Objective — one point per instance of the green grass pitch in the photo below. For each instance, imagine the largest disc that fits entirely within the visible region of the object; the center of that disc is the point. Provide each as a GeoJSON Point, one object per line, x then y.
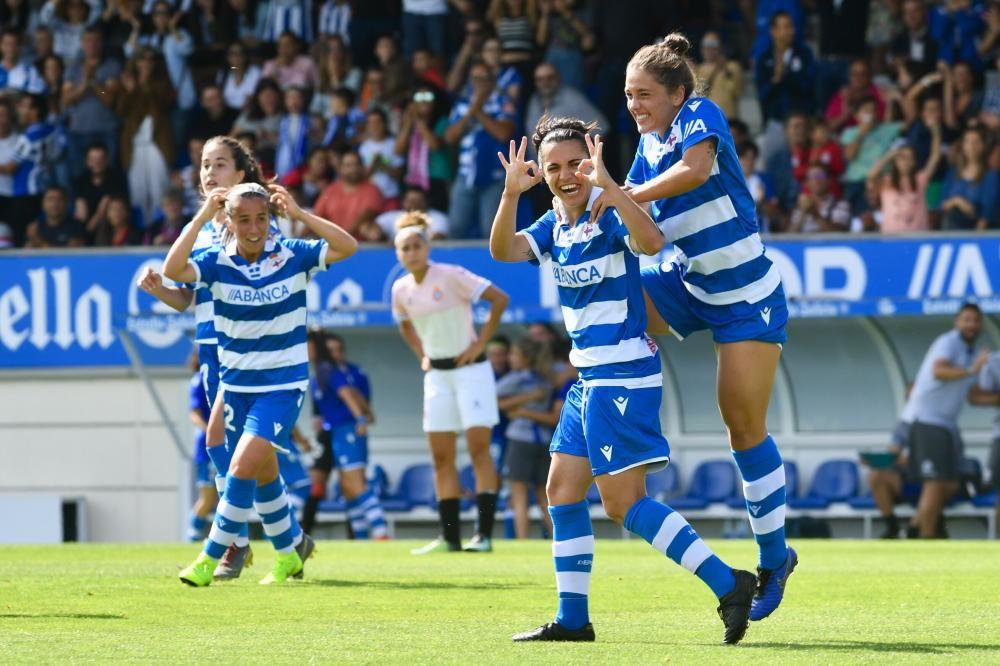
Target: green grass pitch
{"type": "Point", "coordinates": [362, 603]}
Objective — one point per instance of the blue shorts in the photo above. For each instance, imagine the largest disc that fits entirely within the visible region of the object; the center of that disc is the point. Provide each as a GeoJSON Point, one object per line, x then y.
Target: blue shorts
{"type": "Point", "coordinates": [271, 416]}
{"type": "Point", "coordinates": [204, 474]}
{"type": "Point", "coordinates": [764, 321]}
{"type": "Point", "coordinates": [616, 428]}
{"type": "Point", "coordinates": [297, 481]}
{"type": "Point", "coordinates": [349, 450]}
{"type": "Point", "coordinates": [208, 365]}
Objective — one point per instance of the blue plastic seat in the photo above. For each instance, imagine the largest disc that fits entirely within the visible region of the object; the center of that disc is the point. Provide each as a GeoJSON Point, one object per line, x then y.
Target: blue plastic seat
{"type": "Point", "coordinates": [416, 488]}
{"type": "Point", "coordinates": [713, 481]}
{"type": "Point", "coordinates": [378, 483]}
{"type": "Point", "coordinates": [988, 500]}
{"type": "Point", "coordinates": [834, 481]}
{"type": "Point", "coordinates": [662, 484]}
{"type": "Point", "coordinates": [791, 487]}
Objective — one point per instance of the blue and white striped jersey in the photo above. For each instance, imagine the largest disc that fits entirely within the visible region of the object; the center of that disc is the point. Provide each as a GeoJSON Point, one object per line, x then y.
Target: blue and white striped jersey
{"type": "Point", "coordinates": [278, 16]}
{"type": "Point", "coordinates": [260, 312]}
{"type": "Point", "coordinates": [714, 226]}
{"type": "Point", "coordinates": [32, 153]}
{"type": "Point", "coordinates": [597, 275]}
{"type": "Point", "coordinates": [210, 236]}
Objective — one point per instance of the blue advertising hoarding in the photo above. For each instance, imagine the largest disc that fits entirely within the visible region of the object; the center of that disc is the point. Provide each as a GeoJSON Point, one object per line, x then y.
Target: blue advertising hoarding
{"type": "Point", "coordinates": [64, 309]}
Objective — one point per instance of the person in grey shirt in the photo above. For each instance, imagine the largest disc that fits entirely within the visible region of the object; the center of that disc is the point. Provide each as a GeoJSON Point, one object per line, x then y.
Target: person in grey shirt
{"type": "Point", "coordinates": [555, 99]}
{"type": "Point", "coordinates": [89, 92]}
{"type": "Point", "coordinates": [986, 393]}
{"type": "Point", "coordinates": [942, 385]}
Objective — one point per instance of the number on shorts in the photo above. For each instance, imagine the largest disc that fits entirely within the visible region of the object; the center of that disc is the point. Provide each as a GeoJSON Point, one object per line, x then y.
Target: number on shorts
{"type": "Point", "coordinates": [229, 417]}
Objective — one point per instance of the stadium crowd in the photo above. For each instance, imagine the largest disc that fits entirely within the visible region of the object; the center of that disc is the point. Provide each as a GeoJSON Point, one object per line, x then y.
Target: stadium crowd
{"type": "Point", "coordinates": [849, 116]}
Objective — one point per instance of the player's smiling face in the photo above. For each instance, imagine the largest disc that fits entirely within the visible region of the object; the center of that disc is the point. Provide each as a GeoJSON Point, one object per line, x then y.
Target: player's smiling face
{"type": "Point", "coordinates": [249, 222]}
{"type": "Point", "coordinates": [560, 162]}
{"type": "Point", "coordinates": [218, 168]}
{"type": "Point", "coordinates": [652, 106]}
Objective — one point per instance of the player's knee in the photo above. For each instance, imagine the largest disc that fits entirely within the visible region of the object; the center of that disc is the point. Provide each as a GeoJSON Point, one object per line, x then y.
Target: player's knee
{"type": "Point", "coordinates": [616, 509]}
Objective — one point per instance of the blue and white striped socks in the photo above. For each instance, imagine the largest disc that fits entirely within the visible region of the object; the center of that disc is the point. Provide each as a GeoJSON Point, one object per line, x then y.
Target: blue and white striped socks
{"type": "Point", "coordinates": [573, 552]}
{"type": "Point", "coordinates": [230, 516]}
{"type": "Point", "coordinates": [197, 527]}
{"type": "Point", "coordinates": [669, 533]}
{"type": "Point", "coordinates": [764, 489]}
{"type": "Point", "coordinates": [276, 518]}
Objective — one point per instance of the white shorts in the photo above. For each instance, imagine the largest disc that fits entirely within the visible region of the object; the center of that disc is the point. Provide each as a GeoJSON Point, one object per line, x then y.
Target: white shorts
{"type": "Point", "coordinates": [459, 399]}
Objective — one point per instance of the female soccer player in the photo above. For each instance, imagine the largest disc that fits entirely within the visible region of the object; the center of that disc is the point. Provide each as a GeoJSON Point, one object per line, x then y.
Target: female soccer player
{"type": "Point", "coordinates": [686, 168]}
{"type": "Point", "coordinates": [433, 305]}
{"type": "Point", "coordinates": [225, 162]}
{"type": "Point", "coordinates": [341, 393]}
{"type": "Point", "coordinates": [258, 286]}
{"type": "Point", "coordinates": [609, 429]}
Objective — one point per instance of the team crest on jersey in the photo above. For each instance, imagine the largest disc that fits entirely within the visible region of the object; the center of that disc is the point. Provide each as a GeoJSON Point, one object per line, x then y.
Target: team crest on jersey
{"type": "Point", "coordinates": [437, 295]}
{"type": "Point", "coordinates": [588, 229]}
{"type": "Point", "coordinates": [276, 260]}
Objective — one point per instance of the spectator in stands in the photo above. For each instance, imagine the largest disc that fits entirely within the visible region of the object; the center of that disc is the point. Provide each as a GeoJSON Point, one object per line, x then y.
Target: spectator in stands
{"type": "Point", "coordinates": [373, 93]}
{"type": "Point", "coordinates": [335, 19]}
{"type": "Point", "coordinates": [415, 200]}
{"type": "Point", "coordinates": [863, 145]}
{"type": "Point", "coordinates": [344, 121]}
{"type": "Point", "coordinates": [421, 143]}
{"type": "Point", "coordinates": [16, 15]}
{"type": "Point", "coordinates": [509, 81]}
{"type": "Point", "coordinates": [480, 125]}
{"type": "Point", "coordinates": [765, 13]}
{"type": "Point", "coordinates": [564, 35]}
{"type": "Point", "coordinates": [553, 97]}
{"type": "Point", "coordinates": [784, 77]}
{"type": "Point", "coordinates": [8, 145]}
{"type": "Point", "coordinates": [957, 26]}
{"type": "Point", "coordinates": [424, 25]}
{"type": "Point", "coordinates": [213, 117]}
{"type": "Point", "coordinates": [90, 94]}
{"type": "Point", "coordinates": [425, 68]}
{"type": "Point", "coordinates": [903, 191]}
{"type": "Point", "coordinates": [989, 46]}
{"type": "Point", "coordinates": [147, 139]}
{"type": "Point", "coordinates": [16, 74]}
{"type": "Point", "coordinates": [787, 166]}
{"type": "Point", "coordinates": [188, 178]}
{"type": "Point", "coordinates": [350, 196]}
{"type": "Point", "coordinates": [239, 79]}
{"type": "Point", "coordinates": [760, 186]}
{"type": "Point", "coordinates": [722, 76]}
{"type": "Point", "coordinates": [527, 386]}
{"type": "Point", "coordinates": [939, 392]}
{"type": "Point", "coordinates": [115, 229]}
{"type": "Point", "coordinates": [211, 32]}
{"type": "Point", "coordinates": [261, 119]}
{"type": "Point", "coordinates": [963, 96]}
{"type": "Point", "coordinates": [516, 24]}
{"type": "Point", "coordinates": [914, 45]}
{"type": "Point", "coordinates": [95, 188]}
{"type": "Point", "coordinates": [175, 46]}
{"type": "Point", "coordinates": [473, 45]}
{"type": "Point", "coordinates": [69, 20]}
{"type": "Point", "coordinates": [277, 18]}
{"type": "Point", "coordinates": [28, 166]}
{"type": "Point", "coordinates": [291, 67]}
{"type": "Point", "coordinates": [825, 151]}
{"type": "Point", "coordinates": [383, 166]}
{"type": "Point", "coordinates": [818, 210]}
{"type": "Point", "coordinates": [368, 230]}
{"type": "Point", "coordinates": [168, 221]}
{"type": "Point", "coordinates": [293, 133]}
{"type": "Point", "coordinates": [842, 107]}
{"type": "Point", "coordinates": [972, 188]}
{"type": "Point", "coordinates": [55, 228]}
{"type": "Point", "coordinates": [335, 71]}
{"type": "Point", "coordinates": [310, 178]}
{"type": "Point", "coordinates": [42, 44]}
{"type": "Point", "coordinates": [396, 74]}
{"type": "Point", "coordinates": [54, 75]}
{"type": "Point", "coordinates": [986, 393]}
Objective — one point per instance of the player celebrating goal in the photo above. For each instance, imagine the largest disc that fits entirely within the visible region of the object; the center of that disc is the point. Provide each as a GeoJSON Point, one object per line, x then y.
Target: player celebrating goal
{"type": "Point", "coordinates": [433, 305]}
{"type": "Point", "coordinates": [686, 168]}
{"type": "Point", "coordinates": [258, 286]}
{"type": "Point", "coordinates": [609, 428]}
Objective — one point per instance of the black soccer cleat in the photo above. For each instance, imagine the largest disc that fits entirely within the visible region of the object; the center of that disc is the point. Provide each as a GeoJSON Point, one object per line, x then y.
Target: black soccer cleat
{"type": "Point", "coordinates": [734, 607]}
{"type": "Point", "coordinates": [553, 631]}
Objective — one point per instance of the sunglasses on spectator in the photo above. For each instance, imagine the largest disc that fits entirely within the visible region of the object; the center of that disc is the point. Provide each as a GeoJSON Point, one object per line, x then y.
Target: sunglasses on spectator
{"type": "Point", "coordinates": [424, 96]}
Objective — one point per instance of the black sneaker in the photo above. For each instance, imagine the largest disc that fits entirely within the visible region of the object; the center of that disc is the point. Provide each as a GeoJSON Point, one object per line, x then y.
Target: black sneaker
{"type": "Point", "coordinates": [305, 549]}
{"type": "Point", "coordinates": [734, 607]}
{"type": "Point", "coordinates": [553, 631]}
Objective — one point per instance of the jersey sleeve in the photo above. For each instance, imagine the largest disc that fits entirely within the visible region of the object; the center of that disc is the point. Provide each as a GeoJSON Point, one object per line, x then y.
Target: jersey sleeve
{"type": "Point", "coordinates": [310, 255]}
{"type": "Point", "coordinates": [398, 309]}
{"type": "Point", "coordinates": [637, 173]}
{"type": "Point", "coordinates": [539, 236]}
{"type": "Point", "coordinates": [702, 120]}
{"type": "Point", "coordinates": [948, 348]}
{"type": "Point", "coordinates": [205, 265]}
{"type": "Point", "coordinates": [338, 380]}
{"type": "Point", "coordinates": [469, 285]}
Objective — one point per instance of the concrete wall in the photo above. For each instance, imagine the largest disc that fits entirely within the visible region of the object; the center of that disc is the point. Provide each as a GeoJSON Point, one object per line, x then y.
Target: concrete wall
{"type": "Point", "coordinates": [97, 435]}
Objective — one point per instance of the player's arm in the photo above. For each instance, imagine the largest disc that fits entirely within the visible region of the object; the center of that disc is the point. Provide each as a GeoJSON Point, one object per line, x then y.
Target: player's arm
{"type": "Point", "coordinates": [693, 170]}
{"type": "Point", "coordinates": [411, 338]}
{"type": "Point", "coordinates": [179, 298]}
{"type": "Point", "coordinates": [340, 244]}
{"type": "Point", "coordinates": [498, 300]}
{"type": "Point", "coordinates": [514, 401]}
{"type": "Point", "coordinates": [549, 418]}
{"type": "Point", "coordinates": [355, 404]}
{"type": "Point", "coordinates": [946, 371]}
{"type": "Point", "coordinates": [983, 398]}
{"type": "Point", "coordinates": [505, 243]}
{"type": "Point", "coordinates": [177, 266]}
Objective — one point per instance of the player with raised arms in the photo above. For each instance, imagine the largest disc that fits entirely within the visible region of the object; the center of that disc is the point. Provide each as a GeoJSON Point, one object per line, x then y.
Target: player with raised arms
{"type": "Point", "coordinates": [433, 305]}
{"type": "Point", "coordinates": [687, 170]}
{"type": "Point", "coordinates": [225, 162]}
{"type": "Point", "coordinates": [258, 285]}
{"type": "Point", "coordinates": [609, 428]}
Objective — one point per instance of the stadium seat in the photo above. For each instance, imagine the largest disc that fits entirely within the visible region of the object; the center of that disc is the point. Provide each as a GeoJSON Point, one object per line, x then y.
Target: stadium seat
{"type": "Point", "coordinates": [378, 482]}
{"type": "Point", "coordinates": [834, 481]}
{"type": "Point", "coordinates": [791, 486]}
{"type": "Point", "coordinates": [416, 488]}
{"type": "Point", "coordinates": [712, 481]}
{"type": "Point", "coordinates": [662, 484]}
{"type": "Point", "coordinates": [988, 500]}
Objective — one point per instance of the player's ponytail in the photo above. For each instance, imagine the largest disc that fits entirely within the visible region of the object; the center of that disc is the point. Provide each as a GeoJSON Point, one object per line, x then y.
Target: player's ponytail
{"type": "Point", "coordinates": [555, 129]}
{"type": "Point", "coordinates": [666, 62]}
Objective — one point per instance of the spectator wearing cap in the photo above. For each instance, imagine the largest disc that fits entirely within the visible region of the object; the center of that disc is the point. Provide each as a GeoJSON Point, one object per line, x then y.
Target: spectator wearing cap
{"type": "Point", "coordinates": [90, 94]}
{"type": "Point", "coordinates": [722, 76]}
{"type": "Point", "coordinates": [291, 67]}
{"type": "Point", "coordinates": [817, 209]}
